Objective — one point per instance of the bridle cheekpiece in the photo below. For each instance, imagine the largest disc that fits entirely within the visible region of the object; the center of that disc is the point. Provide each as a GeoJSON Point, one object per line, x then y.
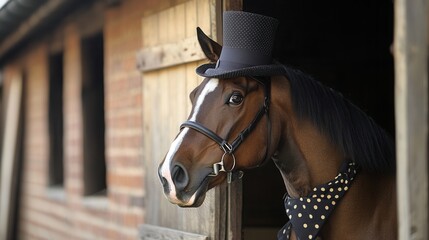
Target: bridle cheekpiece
{"type": "Point", "coordinates": [229, 148]}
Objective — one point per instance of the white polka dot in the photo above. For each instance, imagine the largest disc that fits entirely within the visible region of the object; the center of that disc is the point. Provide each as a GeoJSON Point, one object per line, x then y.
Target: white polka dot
{"type": "Point", "coordinates": [315, 207]}
{"type": "Point", "coordinates": [304, 225]}
{"type": "Point", "coordinates": [336, 196]}
{"type": "Point", "coordinates": [301, 199]}
{"type": "Point", "coordinates": [316, 226]}
{"type": "Point", "coordinates": [310, 237]}
{"type": "Point", "coordinates": [295, 206]}
{"type": "Point", "coordinates": [328, 196]}
{"type": "Point", "coordinates": [331, 189]}
{"type": "Point", "coordinates": [290, 216]}
{"type": "Point", "coordinates": [340, 189]}
{"type": "Point", "coordinates": [333, 203]}
{"type": "Point", "coordinates": [310, 216]}
{"type": "Point", "coordinates": [308, 200]}
{"type": "Point", "coordinates": [327, 207]}
{"type": "Point", "coordinates": [322, 217]}
{"type": "Point", "coordinates": [303, 206]}
{"type": "Point", "coordinates": [299, 215]}
{"type": "Point", "coordinates": [346, 188]}
{"type": "Point", "coordinates": [318, 200]}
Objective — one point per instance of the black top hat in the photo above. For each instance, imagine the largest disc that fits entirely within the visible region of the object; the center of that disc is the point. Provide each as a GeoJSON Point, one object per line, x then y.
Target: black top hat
{"type": "Point", "coordinates": [248, 41]}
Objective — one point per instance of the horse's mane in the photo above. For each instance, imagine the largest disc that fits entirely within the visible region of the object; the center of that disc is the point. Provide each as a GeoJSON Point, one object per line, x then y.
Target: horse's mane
{"type": "Point", "coordinates": [348, 127]}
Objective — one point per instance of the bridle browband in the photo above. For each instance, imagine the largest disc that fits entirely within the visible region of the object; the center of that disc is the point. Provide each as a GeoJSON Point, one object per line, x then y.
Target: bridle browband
{"type": "Point", "coordinates": [229, 148]}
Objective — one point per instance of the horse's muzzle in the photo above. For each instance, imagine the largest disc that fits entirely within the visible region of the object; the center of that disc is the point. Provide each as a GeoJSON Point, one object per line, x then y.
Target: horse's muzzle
{"type": "Point", "coordinates": [177, 186]}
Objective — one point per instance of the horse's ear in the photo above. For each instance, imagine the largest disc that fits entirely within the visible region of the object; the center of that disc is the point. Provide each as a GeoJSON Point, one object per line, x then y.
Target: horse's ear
{"type": "Point", "coordinates": [210, 48]}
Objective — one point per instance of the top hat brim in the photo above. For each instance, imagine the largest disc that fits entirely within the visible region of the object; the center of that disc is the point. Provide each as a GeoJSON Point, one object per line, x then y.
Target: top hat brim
{"type": "Point", "coordinates": [210, 70]}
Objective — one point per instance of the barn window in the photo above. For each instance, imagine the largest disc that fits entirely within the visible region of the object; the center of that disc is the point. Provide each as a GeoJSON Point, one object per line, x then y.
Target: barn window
{"type": "Point", "coordinates": [94, 166]}
{"type": "Point", "coordinates": [56, 170]}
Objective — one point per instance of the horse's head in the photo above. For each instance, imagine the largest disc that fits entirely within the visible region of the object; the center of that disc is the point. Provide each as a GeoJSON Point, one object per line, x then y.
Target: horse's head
{"type": "Point", "coordinates": [227, 130]}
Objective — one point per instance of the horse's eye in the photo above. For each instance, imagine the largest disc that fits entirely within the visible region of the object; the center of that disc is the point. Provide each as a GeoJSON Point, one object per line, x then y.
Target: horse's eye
{"type": "Point", "coordinates": [236, 99]}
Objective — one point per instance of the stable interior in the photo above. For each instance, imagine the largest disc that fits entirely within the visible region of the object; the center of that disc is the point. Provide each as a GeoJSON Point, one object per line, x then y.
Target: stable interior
{"type": "Point", "coordinates": [343, 44]}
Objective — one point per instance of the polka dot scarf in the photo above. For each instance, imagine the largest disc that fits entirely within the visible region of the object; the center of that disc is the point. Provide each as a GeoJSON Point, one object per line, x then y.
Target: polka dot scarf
{"type": "Point", "coordinates": [308, 214]}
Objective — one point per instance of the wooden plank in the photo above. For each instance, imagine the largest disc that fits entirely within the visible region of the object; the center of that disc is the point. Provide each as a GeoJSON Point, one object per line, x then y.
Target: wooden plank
{"type": "Point", "coordinates": [163, 26]}
{"type": "Point", "coordinates": [191, 18]}
{"type": "Point", "coordinates": [171, 54]}
{"type": "Point", "coordinates": [8, 157]}
{"type": "Point", "coordinates": [149, 36]}
{"type": "Point", "coordinates": [151, 232]}
{"type": "Point", "coordinates": [180, 20]}
{"type": "Point", "coordinates": [233, 5]}
{"type": "Point", "coordinates": [180, 100]}
{"type": "Point", "coordinates": [204, 16]}
{"type": "Point", "coordinates": [151, 155]}
{"type": "Point", "coordinates": [411, 107]}
{"type": "Point", "coordinates": [235, 205]}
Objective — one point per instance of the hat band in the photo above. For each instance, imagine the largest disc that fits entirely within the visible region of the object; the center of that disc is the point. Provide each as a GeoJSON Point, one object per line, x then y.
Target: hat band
{"type": "Point", "coordinates": [234, 58]}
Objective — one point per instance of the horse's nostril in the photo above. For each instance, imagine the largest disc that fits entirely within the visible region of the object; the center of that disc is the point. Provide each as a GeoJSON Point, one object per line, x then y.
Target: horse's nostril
{"type": "Point", "coordinates": [180, 176]}
{"type": "Point", "coordinates": [164, 181]}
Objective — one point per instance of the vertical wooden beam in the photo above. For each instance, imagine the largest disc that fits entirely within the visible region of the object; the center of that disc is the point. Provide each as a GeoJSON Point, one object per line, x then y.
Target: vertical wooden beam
{"type": "Point", "coordinates": [411, 107]}
{"type": "Point", "coordinates": [233, 5]}
{"type": "Point", "coordinates": [8, 157]}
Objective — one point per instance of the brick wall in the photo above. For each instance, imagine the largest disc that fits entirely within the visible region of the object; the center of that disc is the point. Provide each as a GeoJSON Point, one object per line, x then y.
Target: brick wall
{"type": "Point", "coordinates": [47, 213]}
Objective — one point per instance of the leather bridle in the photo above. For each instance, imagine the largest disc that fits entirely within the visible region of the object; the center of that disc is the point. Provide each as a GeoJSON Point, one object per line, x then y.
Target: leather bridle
{"type": "Point", "coordinates": [229, 148]}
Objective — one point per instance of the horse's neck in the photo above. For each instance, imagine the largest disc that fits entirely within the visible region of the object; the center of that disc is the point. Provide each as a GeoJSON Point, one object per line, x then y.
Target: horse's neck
{"type": "Point", "coordinates": [306, 158]}
{"type": "Point", "coordinates": [367, 211]}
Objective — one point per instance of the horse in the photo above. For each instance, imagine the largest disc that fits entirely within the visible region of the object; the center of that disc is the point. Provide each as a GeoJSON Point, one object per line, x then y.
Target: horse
{"type": "Point", "coordinates": [306, 128]}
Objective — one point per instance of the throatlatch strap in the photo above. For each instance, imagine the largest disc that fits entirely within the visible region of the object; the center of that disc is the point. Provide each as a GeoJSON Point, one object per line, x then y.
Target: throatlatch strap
{"type": "Point", "coordinates": [307, 215]}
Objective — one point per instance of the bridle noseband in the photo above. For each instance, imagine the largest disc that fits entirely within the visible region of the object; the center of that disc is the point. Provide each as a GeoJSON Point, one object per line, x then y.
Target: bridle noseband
{"type": "Point", "coordinates": [229, 148]}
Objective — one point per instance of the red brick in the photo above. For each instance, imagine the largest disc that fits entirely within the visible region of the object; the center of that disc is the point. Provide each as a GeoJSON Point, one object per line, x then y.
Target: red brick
{"type": "Point", "coordinates": [120, 180]}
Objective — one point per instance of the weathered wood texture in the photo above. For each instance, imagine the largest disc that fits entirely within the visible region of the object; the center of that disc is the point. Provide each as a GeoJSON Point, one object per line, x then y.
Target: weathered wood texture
{"type": "Point", "coordinates": [170, 54]}
{"type": "Point", "coordinates": [411, 105]}
{"type": "Point", "coordinates": [235, 206]}
{"type": "Point", "coordinates": [166, 87]}
{"type": "Point", "coordinates": [9, 168]}
{"type": "Point", "coordinates": [233, 5]}
{"type": "Point", "coordinates": [151, 232]}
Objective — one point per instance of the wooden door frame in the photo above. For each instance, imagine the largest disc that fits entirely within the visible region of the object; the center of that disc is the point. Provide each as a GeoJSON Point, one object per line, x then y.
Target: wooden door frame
{"type": "Point", "coordinates": [233, 192]}
{"type": "Point", "coordinates": [411, 109]}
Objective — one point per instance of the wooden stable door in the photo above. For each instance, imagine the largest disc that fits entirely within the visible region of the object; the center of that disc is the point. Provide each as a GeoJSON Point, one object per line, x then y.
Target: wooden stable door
{"type": "Point", "coordinates": [167, 61]}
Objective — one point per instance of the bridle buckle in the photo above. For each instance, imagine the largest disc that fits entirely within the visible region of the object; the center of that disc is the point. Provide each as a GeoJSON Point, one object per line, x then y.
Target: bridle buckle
{"type": "Point", "coordinates": [226, 147]}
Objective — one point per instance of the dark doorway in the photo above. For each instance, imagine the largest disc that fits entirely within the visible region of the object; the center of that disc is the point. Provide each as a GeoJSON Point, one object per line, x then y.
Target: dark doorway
{"type": "Point", "coordinates": [346, 46]}
{"type": "Point", "coordinates": [93, 115]}
{"type": "Point", "coordinates": [56, 131]}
